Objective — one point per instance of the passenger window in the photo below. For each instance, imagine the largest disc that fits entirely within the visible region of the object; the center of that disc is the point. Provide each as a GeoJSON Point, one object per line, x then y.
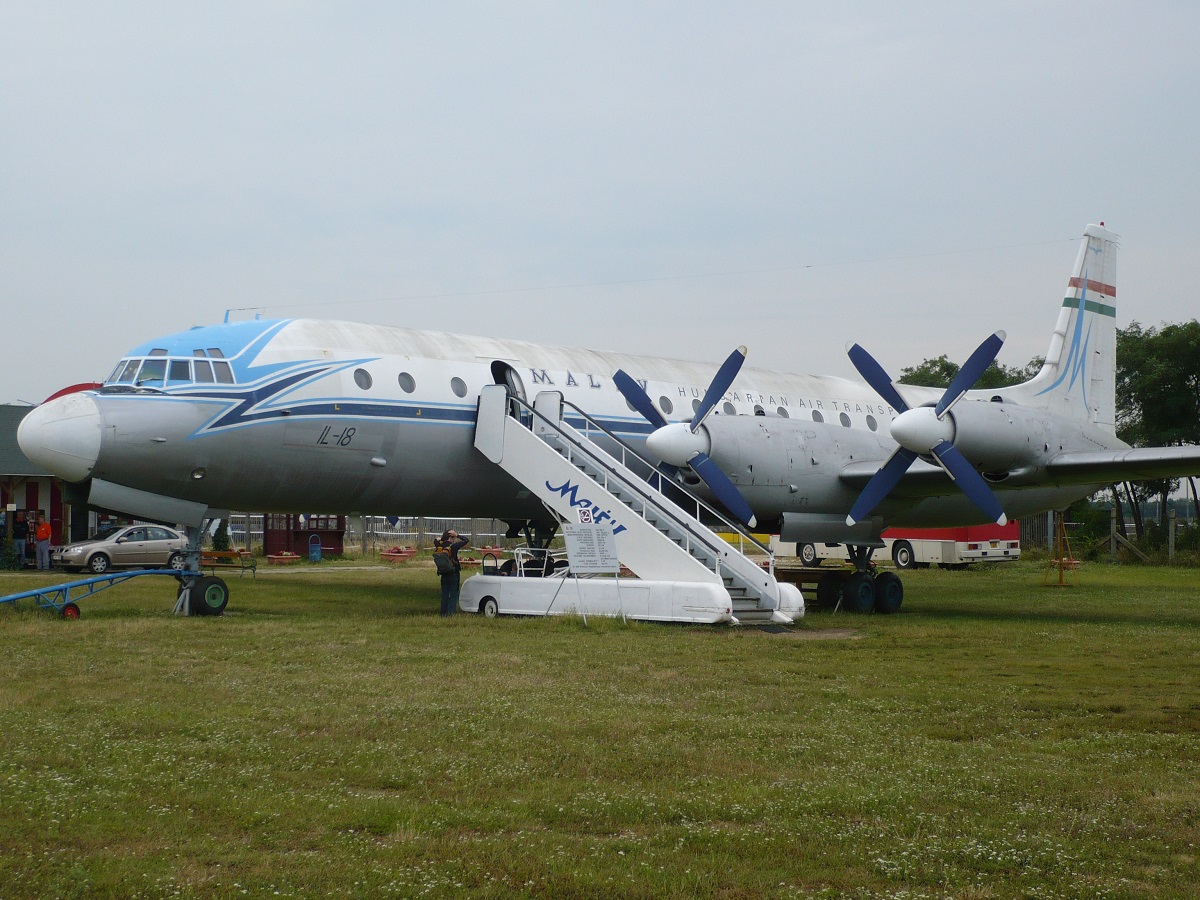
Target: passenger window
{"type": "Point", "coordinates": [157, 534]}
{"type": "Point", "coordinates": [407, 383]}
{"type": "Point", "coordinates": [181, 370]}
{"type": "Point", "coordinates": [153, 371]}
{"type": "Point", "coordinates": [363, 379]}
{"type": "Point", "coordinates": [729, 410]}
{"type": "Point", "coordinates": [664, 403]}
{"type": "Point", "coordinates": [223, 372]}
{"type": "Point", "coordinates": [845, 420]}
{"type": "Point", "coordinates": [459, 387]}
{"type": "Point", "coordinates": [204, 373]}
{"type": "Point", "coordinates": [817, 417]}
{"type": "Point", "coordinates": [783, 413]}
{"type": "Point", "coordinates": [871, 423]}
{"type": "Point", "coordinates": [759, 411]}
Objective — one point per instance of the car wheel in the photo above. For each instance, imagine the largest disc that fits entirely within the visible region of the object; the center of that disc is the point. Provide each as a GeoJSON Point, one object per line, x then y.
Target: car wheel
{"type": "Point", "coordinates": [488, 608]}
{"type": "Point", "coordinates": [177, 562]}
{"type": "Point", "coordinates": [808, 555]}
{"type": "Point", "coordinates": [210, 596]}
{"type": "Point", "coordinates": [902, 555]}
{"type": "Point", "coordinates": [99, 564]}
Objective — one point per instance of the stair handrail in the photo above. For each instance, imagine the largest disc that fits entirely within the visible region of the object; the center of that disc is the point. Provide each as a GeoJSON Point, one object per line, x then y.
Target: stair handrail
{"type": "Point", "coordinates": [640, 484]}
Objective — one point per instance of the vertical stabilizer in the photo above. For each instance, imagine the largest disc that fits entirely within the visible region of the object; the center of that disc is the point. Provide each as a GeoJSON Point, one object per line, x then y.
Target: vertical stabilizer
{"type": "Point", "coordinates": [1080, 375]}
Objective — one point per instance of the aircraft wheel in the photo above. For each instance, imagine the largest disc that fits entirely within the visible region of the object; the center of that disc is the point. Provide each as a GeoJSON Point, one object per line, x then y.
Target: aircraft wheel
{"type": "Point", "coordinates": [210, 596]}
{"type": "Point", "coordinates": [829, 589]}
{"type": "Point", "coordinates": [858, 593]}
{"type": "Point", "coordinates": [488, 608]}
{"type": "Point", "coordinates": [902, 555]}
{"type": "Point", "coordinates": [808, 555]}
{"type": "Point", "coordinates": [99, 564]}
{"type": "Point", "coordinates": [70, 611]}
{"type": "Point", "coordinates": [889, 593]}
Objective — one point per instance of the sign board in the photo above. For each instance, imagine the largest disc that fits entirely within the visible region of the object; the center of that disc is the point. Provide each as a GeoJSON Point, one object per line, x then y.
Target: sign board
{"type": "Point", "coordinates": [591, 548]}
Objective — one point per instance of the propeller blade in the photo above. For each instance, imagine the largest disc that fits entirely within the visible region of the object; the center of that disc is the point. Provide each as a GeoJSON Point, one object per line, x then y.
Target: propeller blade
{"type": "Point", "coordinates": [972, 369]}
{"type": "Point", "coordinates": [638, 398]}
{"type": "Point", "coordinates": [724, 489]}
{"type": "Point", "coordinates": [881, 484]}
{"type": "Point", "coordinates": [874, 375]}
{"type": "Point", "coordinates": [719, 385]}
{"type": "Point", "coordinates": [969, 481]}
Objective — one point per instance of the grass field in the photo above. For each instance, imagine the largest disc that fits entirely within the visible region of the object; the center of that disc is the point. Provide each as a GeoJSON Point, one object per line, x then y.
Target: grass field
{"type": "Point", "coordinates": [331, 736]}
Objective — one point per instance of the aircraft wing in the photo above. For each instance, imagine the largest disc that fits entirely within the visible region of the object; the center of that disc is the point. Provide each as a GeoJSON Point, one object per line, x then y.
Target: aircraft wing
{"type": "Point", "coordinates": [1078, 467]}
{"type": "Point", "coordinates": [1134, 464]}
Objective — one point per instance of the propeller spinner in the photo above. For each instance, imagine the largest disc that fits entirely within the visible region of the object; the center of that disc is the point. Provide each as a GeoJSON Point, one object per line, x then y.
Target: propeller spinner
{"type": "Point", "coordinates": [682, 443]}
{"type": "Point", "coordinates": [927, 431]}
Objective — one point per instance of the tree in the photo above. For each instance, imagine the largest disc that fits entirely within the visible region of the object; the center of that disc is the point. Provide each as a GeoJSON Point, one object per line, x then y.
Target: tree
{"type": "Point", "coordinates": [1158, 395]}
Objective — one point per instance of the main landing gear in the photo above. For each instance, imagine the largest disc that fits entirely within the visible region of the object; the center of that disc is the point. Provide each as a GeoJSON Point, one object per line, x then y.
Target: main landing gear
{"type": "Point", "coordinates": [862, 590]}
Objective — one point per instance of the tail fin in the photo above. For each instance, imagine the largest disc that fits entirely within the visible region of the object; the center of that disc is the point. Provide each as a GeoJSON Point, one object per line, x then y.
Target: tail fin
{"type": "Point", "coordinates": [1080, 374]}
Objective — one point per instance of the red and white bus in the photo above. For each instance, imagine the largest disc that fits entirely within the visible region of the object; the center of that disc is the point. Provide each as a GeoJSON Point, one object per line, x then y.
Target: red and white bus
{"type": "Point", "coordinates": [911, 548]}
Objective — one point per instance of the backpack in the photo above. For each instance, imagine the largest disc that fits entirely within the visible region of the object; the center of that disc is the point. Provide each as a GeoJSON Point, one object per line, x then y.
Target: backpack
{"type": "Point", "coordinates": [442, 561]}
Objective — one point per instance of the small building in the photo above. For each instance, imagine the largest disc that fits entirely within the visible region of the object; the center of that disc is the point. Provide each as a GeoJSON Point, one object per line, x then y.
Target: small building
{"type": "Point", "coordinates": [24, 485]}
{"type": "Point", "coordinates": [297, 533]}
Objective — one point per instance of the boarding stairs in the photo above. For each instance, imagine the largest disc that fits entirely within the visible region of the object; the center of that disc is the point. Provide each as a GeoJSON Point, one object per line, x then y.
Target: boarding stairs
{"type": "Point", "coordinates": [656, 537]}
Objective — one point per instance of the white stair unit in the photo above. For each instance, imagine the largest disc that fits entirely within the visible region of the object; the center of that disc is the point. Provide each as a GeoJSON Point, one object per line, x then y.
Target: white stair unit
{"type": "Point", "coordinates": [656, 538]}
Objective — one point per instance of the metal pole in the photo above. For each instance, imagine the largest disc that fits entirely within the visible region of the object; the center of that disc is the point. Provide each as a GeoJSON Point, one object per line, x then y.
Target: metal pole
{"type": "Point", "coordinates": [1171, 533]}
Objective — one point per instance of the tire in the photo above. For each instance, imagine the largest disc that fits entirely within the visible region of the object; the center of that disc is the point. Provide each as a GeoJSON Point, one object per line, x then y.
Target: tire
{"type": "Point", "coordinates": [70, 611]}
{"type": "Point", "coordinates": [99, 564]}
{"type": "Point", "coordinates": [177, 562]}
{"type": "Point", "coordinates": [903, 556]}
{"type": "Point", "coordinates": [808, 555]}
{"type": "Point", "coordinates": [889, 593]}
{"type": "Point", "coordinates": [858, 593]}
{"type": "Point", "coordinates": [210, 596]}
{"type": "Point", "coordinates": [488, 608]}
{"type": "Point", "coordinates": [829, 589]}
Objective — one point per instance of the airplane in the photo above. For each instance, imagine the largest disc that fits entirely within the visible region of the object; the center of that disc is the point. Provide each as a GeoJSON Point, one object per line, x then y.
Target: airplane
{"type": "Point", "coordinates": [303, 415]}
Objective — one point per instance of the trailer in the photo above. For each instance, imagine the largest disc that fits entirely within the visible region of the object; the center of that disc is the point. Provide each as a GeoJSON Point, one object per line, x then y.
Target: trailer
{"type": "Point", "coordinates": [540, 583]}
{"type": "Point", "coordinates": [912, 548]}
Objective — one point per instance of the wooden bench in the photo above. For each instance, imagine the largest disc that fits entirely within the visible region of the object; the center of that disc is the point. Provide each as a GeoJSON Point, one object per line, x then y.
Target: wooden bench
{"type": "Point", "coordinates": [228, 559]}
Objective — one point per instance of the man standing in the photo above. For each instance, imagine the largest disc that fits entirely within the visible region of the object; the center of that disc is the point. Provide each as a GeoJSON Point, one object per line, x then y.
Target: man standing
{"type": "Point", "coordinates": [20, 534]}
{"type": "Point", "coordinates": [42, 536]}
{"type": "Point", "coordinates": [452, 543]}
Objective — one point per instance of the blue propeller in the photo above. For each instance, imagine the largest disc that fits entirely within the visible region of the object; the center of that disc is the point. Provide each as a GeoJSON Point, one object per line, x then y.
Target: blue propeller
{"type": "Point", "coordinates": [925, 432]}
{"type": "Point", "coordinates": [684, 435]}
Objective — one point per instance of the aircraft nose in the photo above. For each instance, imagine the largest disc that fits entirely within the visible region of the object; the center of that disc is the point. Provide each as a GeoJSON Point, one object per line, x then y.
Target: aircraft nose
{"type": "Point", "coordinates": [63, 436]}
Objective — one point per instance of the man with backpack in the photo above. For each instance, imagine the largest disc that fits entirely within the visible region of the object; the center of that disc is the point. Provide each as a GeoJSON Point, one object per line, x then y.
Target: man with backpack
{"type": "Point", "coordinates": [445, 559]}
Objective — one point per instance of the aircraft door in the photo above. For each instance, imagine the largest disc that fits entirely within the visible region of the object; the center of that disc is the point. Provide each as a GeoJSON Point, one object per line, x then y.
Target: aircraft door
{"type": "Point", "coordinates": [503, 373]}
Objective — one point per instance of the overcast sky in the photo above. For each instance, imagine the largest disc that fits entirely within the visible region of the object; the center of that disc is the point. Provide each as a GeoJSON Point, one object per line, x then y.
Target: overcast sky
{"type": "Point", "coordinates": [664, 178]}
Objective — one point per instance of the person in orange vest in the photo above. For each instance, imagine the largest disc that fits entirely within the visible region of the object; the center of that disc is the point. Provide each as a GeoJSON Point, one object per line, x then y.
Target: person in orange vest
{"type": "Point", "coordinates": [42, 535]}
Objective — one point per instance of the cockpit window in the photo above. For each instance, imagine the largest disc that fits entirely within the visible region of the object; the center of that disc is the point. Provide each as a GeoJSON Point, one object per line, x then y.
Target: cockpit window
{"type": "Point", "coordinates": [181, 370]}
{"type": "Point", "coordinates": [131, 367]}
{"type": "Point", "coordinates": [152, 372]}
{"type": "Point", "coordinates": [204, 373]}
{"type": "Point", "coordinates": [215, 353]}
{"type": "Point", "coordinates": [223, 371]}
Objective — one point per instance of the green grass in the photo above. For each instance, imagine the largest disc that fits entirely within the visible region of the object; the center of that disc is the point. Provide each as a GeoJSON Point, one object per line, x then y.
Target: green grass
{"type": "Point", "coordinates": [331, 736]}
